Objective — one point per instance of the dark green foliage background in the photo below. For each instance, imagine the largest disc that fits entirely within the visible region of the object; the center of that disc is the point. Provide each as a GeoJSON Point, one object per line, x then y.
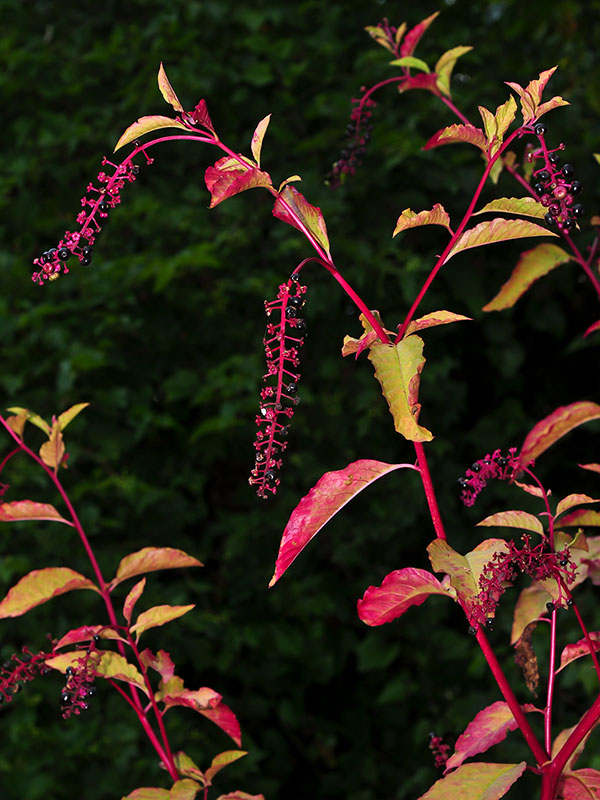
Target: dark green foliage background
{"type": "Point", "coordinates": [162, 335]}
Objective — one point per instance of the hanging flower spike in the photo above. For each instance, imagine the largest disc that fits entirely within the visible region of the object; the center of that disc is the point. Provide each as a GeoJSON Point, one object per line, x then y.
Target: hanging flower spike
{"type": "Point", "coordinates": [496, 466]}
{"type": "Point", "coordinates": [18, 669]}
{"type": "Point", "coordinates": [439, 749]}
{"type": "Point", "coordinates": [358, 133]}
{"type": "Point", "coordinates": [284, 336]}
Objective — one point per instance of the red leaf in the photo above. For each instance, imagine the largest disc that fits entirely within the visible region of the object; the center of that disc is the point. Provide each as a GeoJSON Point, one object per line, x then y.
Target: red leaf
{"type": "Point", "coordinates": [554, 426]}
{"type": "Point", "coordinates": [581, 784]}
{"type": "Point", "coordinates": [477, 781]}
{"type": "Point", "coordinates": [579, 649]}
{"type": "Point", "coordinates": [228, 177]}
{"type": "Point", "coordinates": [21, 510]}
{"type": "Point", "coordinates": [160, 662]}
{"type": "Point", "coordinates": [330, 494]}
{"type": "Point", "coordinates": [582, 516]}
{"type": "Point", "coordinates": [39, 586]}
{"type": "Point", "coordinates": [595, 326]}
{"type": "Point", "coordinates": [150, 559]}
{"type": "Point", "coordinates": [413, 36]}
{"type": "Point", "coordinates": [224, 718]}
{"type": "Point", "coordinates": [424, 80]}
{"type": "Point", "coordinates": [399, 591]}
{"type": "Point", "coordinates": [85, 634]}
{"type": "Point", "coordinates": [454, 134]}
{"type": "Point", "coordinates": [292, 207]}
{"type": "Point", "coordinates": [409, 219]}
{"type": "Point", "coordinates": [132, 598]}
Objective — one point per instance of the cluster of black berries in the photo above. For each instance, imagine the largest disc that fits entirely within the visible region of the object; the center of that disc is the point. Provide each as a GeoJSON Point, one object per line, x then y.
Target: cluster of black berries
{"type": "Point", "coordinates": [556, 188]}
{"type": "Point", "coordinates": [283, 340]}
{"type": "Point", "coordinates": [495, 466]}
{"type": "Point", "coordinates": [79, 685]}
{"type": "Point", "coordinates": [358, 133]}
{"type": "Point", "coordinates": [97, 202]}
{"type": "Point", "coordinates": [439, 749]}
{"type": "Point", "coordinates": [18, 669]}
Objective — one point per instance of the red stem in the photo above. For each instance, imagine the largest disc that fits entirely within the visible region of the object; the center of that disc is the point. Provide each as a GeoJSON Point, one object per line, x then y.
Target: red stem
{"type": "Point", "coordinates": [551, 681]}
{"type": "Point", "coordinates": [429, 491]}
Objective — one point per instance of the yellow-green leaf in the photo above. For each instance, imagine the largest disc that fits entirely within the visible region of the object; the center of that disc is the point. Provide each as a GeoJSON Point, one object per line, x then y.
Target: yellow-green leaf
{"type": "Point", "coordinates": [292, 207]}
{"type": "Point", "coordinates": [222, 760]}
{"type": "Point", "coordinates": [445, 559]}
{"type": "Point", "coordinates": [504, 116]}
{"type": "Point", "coordinates": [476, 781]}
{"type": "Point", "coordinates": [158, 615]}
{"type": "Point", "coordinates": [39, 586]}
{"type": "Point", "coordinates": [167, 90]}
{"type": "Point", "coordinates": [257, 138]}
{"type": "Point", "coordinates": [185, 789]}
{"type": "Point", "coordinates": [530, 605]}
{"type": "Point", "coordinates": [22, 510]}
{"type": "Point", "coordinates": [497, 230]}
{"type": "Point", "coordinates": [187, 767]}
{"type": "Point", "coordinates": [52, 452]}
{"type": "Point", "coordinates": [147, 793]}
{"type": "Point", "coordinates": [435, 318]}
{"type": "Point", "coordinates": [454, 134]}
{"type": "Point", "coordinates": [115, 666]}
{"type": "Point", "coordinates": [151, 559]}
{"type": "Point", "coordinates": [525, 206]}
{"type": "Point", "coordinates": [132, 598]}
{"type": "Point", "coordinates": [411, 61]}
{"type": "Point", "coordinates": [481, 556]}
{"type": "Point", "coordinates": [489, 123]}
{"type": "Point", "coordinates": [70, 414]}
{"type": "Point", "coordinates": [445, 66]}
{"type": "Point", "coordinates": [514, 519]}
{"type": "Point", "coordinates": [410, 219]}
{"type": "Point", "coordinates": [572, 500]}
{"type": "Point", "coordinates": [546, 432]}
{"type": "Point", "coordinates": [32, 417]}
{"type": "Point", "coordinates": [145, 125]}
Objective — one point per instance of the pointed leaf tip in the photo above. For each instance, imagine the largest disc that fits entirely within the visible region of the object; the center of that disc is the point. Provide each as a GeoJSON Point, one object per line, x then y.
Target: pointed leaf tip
{"type": "Point", "coordinates": [399, 591]}
{"type": "Point", "coordinates": [167, 90]}
{"type": "Point", "coordinates": [555, 426]}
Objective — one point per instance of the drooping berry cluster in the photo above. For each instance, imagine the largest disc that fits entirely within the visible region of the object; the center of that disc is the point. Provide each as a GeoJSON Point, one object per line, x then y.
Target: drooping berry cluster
{"type": "Point", "coordinates": [97, 202]}
{"type": "Point", "coordinates": [495, 466]}
{"type": "Point", "coordinates": [284, 337]}
{"type": "Point", "coordinates": [358, 133]}
{"type": "Point", "coordinates": [21, 668]}
{"type": "Point", "coordinates": [439, 749]}
{"type": "Point", "coordinates": [79, 685]}
{"type": "Point", "coordinates": [539, 562]}
{"type": "Point", "coordinates": [555, 186]}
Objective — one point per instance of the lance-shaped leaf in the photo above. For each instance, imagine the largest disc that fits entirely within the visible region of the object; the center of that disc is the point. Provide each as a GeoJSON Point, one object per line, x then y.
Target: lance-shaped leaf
{"type": "Point", "coordinates": [410, 219]}
{"type": "Point", "coordinates": [595, 326]}
{"type": "Point", "coordinates": [445, 559]}
{"type": "Point", "coordinates": [530, 606]}
{"type": "Point", "coordinates": [223, 717]}
{"type": "Point", "coordinates": [52, 452]}
{"type": "Point", "coordinates": [32, 417]}
{"type": "Point", "coordinates": [526, 659]}
{"type": "Point", "coordinates": [132, 598]}
{"type": "Point", "coordinates": [86, 633]}
{"type": "Point", "coordinates": [582, 517]}
{"type": "Point", "coordinates": [69, 415]}
{"type": "Point", "coordinates": [445, 66]}
{"type": "Point", "coordinates": [145, 125]}
{"type": "Point", "coordinates": [258, 136]}
{"type": "Point", "coordinates": [532, 264]}
{"type": "Point", "coordinates": [148, 793]}
{"type": "Point", "coordinates": [550, 105]}
{"type": "Point", "coordinates": [579, 649]}
{"type": "Point", "coordinates": [489, 124]}
{"type": "Point", "coordinates": [106, 663]}
{"type": "Point", "coordinates": [504, 116]}
{"type": "Point", "coordinates": [39, 586]}
{"type": "Point", "coordinates": [411, 61]}
{"type": "Point", "coordinates": [489, 726]}
{"type": "Point", "coordinates": [230, 176]}
{"type": "Point", "coordinates": [555, 426]}
{"type": "Point", "coordinates": [537, 86]}
{"type": "Point", "coordinates": [496, 230]}
{"type": "Point", "coordinates": [379, 35]}
{"type": "Point", "coordinates": [560, 740]}
{"type": "Point", "coordinates": [223, 760]}
{"type": "Point", "coordinates": [514, 519]}
{"type": "Point", "coordinates": [187, 767]}
{"type": "Point", "coordinates": [185, 789]}
{"type": "Point", "coordinates": [399, 591]}
{"type": "Point", "coordinates": [455, 134]}
{"type": "Point", "coordinates": [157, 616]}
{"type": "Point", "coordinates": [580, 784]}
{"type": "Point", "coordinates": [208, 703]}
{"type": "Point", "coordinates": [571, 501]}
{"type": "Point", "coordinates": [151, 559]}
{"type": "Point", "coordinates": [292, 207]}
{"type": "Point", "coordinates": [161, 662]}
{"type": "Point", "coordinates": [167, 90]}
{"type": "Point", "coordinates": [434, 318]}
{"type": "Point", "coordinates": [23, 510]}
{"type": "Point", "coordinates": [526, 206]}
{"type": "Point", "coordinates": [591, 467]}
{"type": "Point", "coordinates": [476, 781]}
{"type": "Point", "coordinates": [412, 38]}
{"type": "Point", "coordinates": [330, 494]}
{"type": "Point", "coordinates": [398, 369]}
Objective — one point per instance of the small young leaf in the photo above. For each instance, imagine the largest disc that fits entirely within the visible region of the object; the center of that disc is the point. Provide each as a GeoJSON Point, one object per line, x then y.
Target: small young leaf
{"type": "Point", "coordinates": [412, 38]}
{"type": "Point", "coordinates": [423, 80]}
{"type": "Point", "coordinates": [223, 760]}
{"type": "Point", "coordinates": [157, 616]}
{"type": "Point", "coordinates": [445, 559]}
{"type": "Point", "coordinates": [356, 346]}
{"type": "Point", "coordinates": [489, 123]}
{"type": "Point", "coordinates": [525, 206]}
{"type": "Point", "coordinates": [148, 793]}
{"type": "Point", "coordinates": [32, 417]}
{"type": "Point", "coordinates": [579, 649]}
{"type": "Point", "coordinates": [571, 501]}
{"type": "Point", "coordinates": [409, 219]}
{"type": "Point", "coordinates": [70, 414]}
{"type": "Point", "coordinates": [167, 90]}
{"type": "Point", "coordinates": [39, 586]}
{"type": "Point", "coordinates": [230, 176]}
{"type": "Point", "coordinates": [85, 634]}
{"type": "Point", "coordinates": [399, 591]}
{"type": "Point", "coordinates": [445, 66]}
{"type": "Point", "coordinates": [411, 61]}
{"type": "Point", "coordinates": [528, 106]}
{"type": "Point", "coordinates": [185, 789]}
{"type": "Point", "coordinates": [292, 207]}
{"type": "Point", "coordinates": [591, 467]}
{"type": "Point", "coordinates": [582, 517]}
{"type": "Point", "coordinates": [533, 264]}
{"type": "Point", "coordinates": [160, 662]}
{"type": "Point", "coordinates": [132, 598]}
{"type": "Point", "coordinates": [514, 519]}
{"type": "Point", "coordinates": [530, 606]}
{"type": "Point", "coordinates": [22, 510]}
{"type": "Point", "coordinates": [187, 767]}
{"type": "Point", "coordinates": [151, 559]}
{"type": "Point", "coordinates": [379, 35]}
{"type": "Point", "coordinates": [555, 426]}
{"type": "Point", "coordinates": [534, 491]}
{"type": "Point", "coordinates": [52, 452]}
{"type": "Point", "coordinates": [454, 134]}
{"type": "Point", "coordinates": [476, 781]}
{"type": "Point", "coordinates": [504, 116]}
{"type": "Point", "coordinates": [17, 423]}
{"type": "Point", "coordinates": [497, 230]}
{"type": "Point", "coordinates": [258, 136]}
{"type": "Point", "coordinates": [434, 318]}
{"type": "Point", "coordinates": [146, 124]}
{"type": "Point", "coordinates": [330, 494]}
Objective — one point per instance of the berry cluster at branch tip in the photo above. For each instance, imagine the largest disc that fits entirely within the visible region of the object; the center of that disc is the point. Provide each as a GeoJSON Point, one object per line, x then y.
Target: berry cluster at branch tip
{"type": "Point", "coordinates": [358, 133]}
{"type": "Point", "coordinates": [555, 186]}
{"type": "Point", "coordinates": [79, 684]}
{"type": "Point", "coordinates": [439, 749]}
{"type": "Point", "coordinates": [283, 340]}
{"type": "Point", "coordinates": [492, 467]}
{"type": "Point", "coordinates": [97, 202]}
{"type": "Point", "coordinates": [21, 668]}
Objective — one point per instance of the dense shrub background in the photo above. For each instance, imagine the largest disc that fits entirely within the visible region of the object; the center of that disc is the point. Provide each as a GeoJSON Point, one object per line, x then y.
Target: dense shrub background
{"type": "Point", "coordinates": [162, 335]}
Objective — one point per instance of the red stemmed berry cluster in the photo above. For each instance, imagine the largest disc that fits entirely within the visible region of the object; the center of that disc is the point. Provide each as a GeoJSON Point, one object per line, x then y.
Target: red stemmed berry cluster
{"type": "Point", "coordinates": [439, 749]}
{"type": "Point", "coordinates": [79, 685]}
{"type": "Point", "coordinates": [555, 186]}
{"type": "Point", "coordinates": [284, 337]}
{"type": "Point", "coordinates": [495, 466]}
{"type": "Point", "coordinates": [358, 133]}
{"type": "Point", "coordinates": [97, 202]}
{"type": "Point", "coordinates": [21, 668]}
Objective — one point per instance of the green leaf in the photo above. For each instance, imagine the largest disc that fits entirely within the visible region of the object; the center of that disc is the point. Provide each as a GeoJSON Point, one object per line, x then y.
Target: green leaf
{"type": "Point", "coordinates": [70, 414]}
{"type": "Point", "coordinates": [187, 767]}
{"type": "Point", "coordinates": [39, 586]}
{"type": "Point", "coordinates": [554, 426]}
{"type": "Point", "coordinates": [379, 35]}
{"type": "Point", "coordinates": [292, 207]}
{"type": "Point", "coordinates": [410, 219]}
{"type": "Point", "coordinates": [32, 417]}
{"type": "Point", "coordinates": [132, 598]}
{"type": "Point", "coordinates": [398, 369]}
{"type": "Point", "coordinates": [157, 616]}
{"type": "Point", "coordinates": [167, 90]}
{"type": "Point", "coordinates": [106, 663]}
{"type": "Point", "coordinates": [505, 115]}
{"type": "Point", "coordinates": [514, 519]}
{"type": "Point", "coordinates": [434, 318]}
{"type": "Point", "coordinates": [258, 136]}
{"type": "Point", "coordinates": [147, 793]}
{"type": "Point", "coordinates": [479, 558]}
{"type": "Point", "coordinates": [328, 496]}
{"type": "Point", "coordinates": [533, 264]}
{"type": "Point", "coordinates": [399, 591]}
{"type": "Point", "coordinates": [445, 559]}
{"type": "Point", "coordinates": [455, 134]}
{"type": "Point", "coordinates": [146, 125]}
{"type": "Point", "coordinates": [411, 61]}
{"type": "Point", "coordinates": [230, 176]}
{"type": "Point", "coordinates": [489, 123]}
{"type": "Point", "coordinates": [445, 66]}
{"type": "Point", "coordinates": [530, 605]}
{"type": "Point", "coordinates": [23, 510]}
{"type": "Point", "coordinates": [185, 789]}
{"type": "Point", "coordinates": [496, 230]}
{"type": "Point", "coordinates": [151, 559]}
{"type": "Point", "coordinates": [476, 781]}
{"type": "Point", "coordinates": [223, 760]}
{"type": "Point", "coordinates": [525, 206]}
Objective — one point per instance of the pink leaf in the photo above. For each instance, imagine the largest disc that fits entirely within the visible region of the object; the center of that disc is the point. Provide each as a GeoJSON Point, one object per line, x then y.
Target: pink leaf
{"type": "Point", "coordinates": [150, 559]}
{"type": "Point", "coordinates": [157, 616]}
{"type": "Point", "coordinates": [200, 115]}
{"type": "Point", "coordinates": [409, 219]}
{"type": "Point", "coordinates": [399, 591]}
{"type": "Point", "coordinates": [423, 80]}
{"type": "Point", "coordinates": [413, 36]}
{"type": "Point", "coordinates": [167, 90]}
{"type": "Point", "coordinates": [454, 134]}
{"type": "Point", "coordinates": [146, 125]}
{"type": "Point", "coordinates": [571, 501]}
{"type": "Point", "coordinates": [595, 326]}
{"type": "Point", "coordinates": [292, 207]}
{"type": "Point", "coordinates": [22, 510]}
{"type": "Point", "coordinates": [39, 586]}
{"type": "Point", "coordinates": [476, 781]}
{"type": "Point", "coordinates": [554, 426]}
{"type": "Point", "coordinates": [160, 662]}
{"type": "Point", "coordinates": [489, 726]}
{"type": "Point", "coordinates": [496, 230]}
{"type": "Point", "coordinates": [582, 516]}
{"type": "Point", "coordinates": [86, 633]}
{"type": "Point", "coordinates": [579, 649]}
{"type": "Point", "coordinates": [330, 494]}
{"type": "Point", "coordinates": [224, 718]}
{"type": "Point", "coordinates": [433, 319]}
{"type": "Point", "coordinates": [591, 467]}
{"type": "Point", "coordinates": [230, 176]}
{"type": "Point", "coordinates": [132, 598]}
{"type": "Point", "coordinates": [581, 784]}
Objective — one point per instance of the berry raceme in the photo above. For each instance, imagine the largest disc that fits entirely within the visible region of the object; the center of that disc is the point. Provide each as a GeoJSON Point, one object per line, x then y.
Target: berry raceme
{"type": "Point", "coordinates": [358, 133]}
{"type": "Point", "coordinates": [21, 668]}
{"type": "Point", "coordinates": [492, 467]}
{"type": "Point", "coordinates": [439, 749]}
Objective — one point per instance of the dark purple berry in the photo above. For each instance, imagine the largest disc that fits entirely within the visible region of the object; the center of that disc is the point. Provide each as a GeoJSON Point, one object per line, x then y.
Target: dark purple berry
{"type": "Point", "coordinates": [570, 602]}
{"type": "Point", "coordinates": [472, 630]}
{"type": "Point", "coordinates": [555, 209]}
{"type": "Point", "coordinates": [88, 250]}
{"type": "Point", "coordinates": [568, 170]}
{"type": "Point", "coordinates": [475, 467]}
{"type": "Point", "coordinates": [291, 312]}
{"type": "Point", "coordinates": [64, 253]}
{"type": "Point", "coordinates": [502, 462]}
{"type": "Point", "coordinates": [563, 562]}
{"type": "Point", "coordinates": [51, 253]}
{"type": "Point", "coordinates": [296, 301]}
{"type": "Point", "coordinates": [546, 200]}
{"type": "Point", "coordinates": [69, 672]}
{"type": "Point", "coordinates": [576, 187]}
{"type": "Point", "coordinates": [463, 482]}
{"type": "Point", "coordinates": [65, 698]}
{"type": "Point", "coordinates": [568, 225]}
{"type": "Point", "coordinates": [291, 388]}
{"type": "Point", "coordinates": [103, 206]}
{"type": "Point", "coordinates": [550, 606]}
{"type": "Point", "coordinates": [539, 189]}
{"type": "Point", "coordinates": [270, 476]}
{"type": "Point", "coordinates": [43, 258]}
{"type": "Point", "coordinates": [85, 261]}
{"type": "Point", "coordinates": [542, 176]}
{"type": "Point", "coordinates": [540, 129]}
{"type": "Point", "coordinates": [91, 692]}
{"type": "Point", "coordinates": [549, 219]}
{"type": "Point", "coordinates": [578, 210]}
{"type": "Point", "coordinates": [489, 624]}
{"type": "Point", "coordinates": [554, 158]}
{"type": "Point", "coordinates": [96, 639]}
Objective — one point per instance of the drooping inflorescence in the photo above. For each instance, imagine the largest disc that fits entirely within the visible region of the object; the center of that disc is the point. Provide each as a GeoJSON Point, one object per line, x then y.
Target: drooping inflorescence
{"type": "Point", "coordinates": [21, 668]}
{"type": "Point", "coordinates": [492, 467]}
{"type": "Point", "coordinates": [439, 749]}
{"type": "Point", "coordinates": [358, 133]}
{"type": "Point", "coordinates": [79, 685]}
{"type": "Point", "coordinates": [283, 340]}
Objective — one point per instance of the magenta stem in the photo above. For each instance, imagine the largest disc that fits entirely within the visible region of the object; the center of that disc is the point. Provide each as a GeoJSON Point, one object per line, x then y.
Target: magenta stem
{"type": "Point", "coordinates": [551, 682]}
{"type": "Point", "coordinates": [455, 110]}
{"type": "Point", "coordinates": [434, 510]}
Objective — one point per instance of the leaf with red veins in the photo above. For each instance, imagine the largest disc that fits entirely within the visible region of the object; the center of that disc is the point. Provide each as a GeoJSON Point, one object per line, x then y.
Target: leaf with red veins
{"type": "Point", "coordinates": [187, 767]}
{"type": "Point", "coordinates": [148, 793]}
{"type": "Point", "coordinates": [445, 559]}
{"type": "Point", "coordinates": [530, 606]}
{"type": "Point", "coordinates": [525, 206]}
{"type": "Point", "coordinates": [258, 136]}
{"type": "Point", "coordinates": [536, 87]}
{"type": "Point", "coordinates": [357, 346]}
{"type": "Point", "coordinates": [230, 176]}
{"type": "Point", "coordinates": [579, 649]}
{"type": "Point", "coordinates": [328, 496]}
{"type": "Point", "coordinates": [86, 633]}
{"type": "Point", "coordinates": [379, 35]}
{"type": "Point", "coordinates": [514, 519]}
{"type": "Point", "coordinates": [583, 516]}
{"type": "Point", "coordinates": [571, 501]}
{"type": "Point", "coordinates": [399, 591]}
{"type": "Point", "coordinates": [476, 781]}
{"type": "Point", "coordinates": [292, 207]}
{"type": "Point", "coordinates": [550, 105]}
{"type": "Point", "coordinates": [445, 65]}
{"type": "Point", "coordinates": [410, 219]}
{"type": "Point", "coordinates": [107, 664]}
{"type": "Point", "coordinates": [132, 598]}
{"type": "Point", "coordinates": [160, 662]}
{"type": "Point", "coordinates": [412, 38]}
{"type": "Point", "coordinates": [157, 616]}
{"type": "Point", "coordinates": [494, 231]}
{"type": "Point", "coordinates": [595, 326]}
{"type": "Point", "coordinates": [581, 784]}
{"type": "Point", "coordinates": [146, 125]}
{"type": "Point", "coordinates": [167, 90]}
{"type": "Point", "coordinates": [489, 726]}
{"type": "Point", "coordinates": [223, 760]}
{"type": "Point", "coordinates": [23, 510]}
{"type": "Point", "coordinates": [424, 80]}
{"type": "Point", "coordinates": [151, 559]}
{"type": "Point", "coordinates": [553, 427]}
{"type": "Point", "coordinates": [455, 134]}
{"type": "Point", "coordinates": [433, 319]}
{"type": "Point", "coordinates": [39, 586]}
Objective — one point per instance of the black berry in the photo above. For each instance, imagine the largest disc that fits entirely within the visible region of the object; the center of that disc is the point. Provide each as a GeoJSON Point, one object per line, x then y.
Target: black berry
{"type": "Point", "coordinates": [269, 476]}
{"type": "Point", "coordinates": [96, 639]}
{"type": "Point", "coordinates": [475, 467]}
{"type": "Point", "coordinates": [540, 129]}
{"type": "Point", "coordinates": [291, 312]}
{"type": "Point", "coordinates": [549, 219]}
{"type": "Point", "coordinates": [296, 301]}
{"type": "Point", "coordinates": [64, 253]}
{"type": "Point", "coordinates": [568, 225]}
{"type": "Point", "coordinates": [568, 170]}
{"type": "Point", "coordinates": [85, 261]}
{"type": "Point", "coordinates": [103, 206]}
{"type": "Point", "coordinates": [472, 630]}
{"type": "Point", "coordinates": [563, 562]}
{"type": "Point", "coordinates": [135, 169]}
{"type": "Point", "coordinates": [463, 482]}
{"type": "Point", "coordinates": [543, 175]}
{"type": "Point", "coordinates": [578, 210]}
{"type": "Point", "coordinates": [576, 187]}
{"type": "Point", "coordinates": [550, 606]}
{"type": "Point", "coordinates": [539, 189]}
{"type": "Point", "coordinates": [554, 158]}
{"type": "Point", "coordinates": [292, 388]}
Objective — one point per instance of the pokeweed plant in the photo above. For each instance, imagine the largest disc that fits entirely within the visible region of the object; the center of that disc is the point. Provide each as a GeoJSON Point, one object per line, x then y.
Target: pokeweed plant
{"type": "Point", "coordinates": [552, 549]}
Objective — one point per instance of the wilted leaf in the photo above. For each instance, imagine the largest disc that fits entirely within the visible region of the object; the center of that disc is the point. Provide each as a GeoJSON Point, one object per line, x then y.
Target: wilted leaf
{"type": "Point", "coordinates": [399, 591]}
{"type": "Point", "coordinates": [554, 426]}
{"type": "Point", "coordinates": [454, 134]}
{"type": "Point", "coordinates": [530, 605]}
{"type": "Point", "coordinates": [527, 206]}
{"type": "Point", "coordinates": [52, 452]}
{"type": "Point", "coordinates": [150, 559]}
{"type": "Point", "coordinates": [86, 633]}
{"type": "Point", "coordinates": [330, 494]}
{"type": "Point", "coordinates": [532, 264]}
{"type": "Point", "coordinates": [230, 176]}
{"type": "Point", "coordinates": [146, 125]}
{"type": "Point", "coordinates": [258, 136]}
{"type": "Point", "coordinates": [571, 501]}
{"type": "Point", "coordinates": [132, 598]}
{"type": "Point", "coordinates": [496, 230]}
{"type": "Point", "coordinates": [69, 415]}
{"type": "Point", "coordinates": [222, 760]}
{"type": "Point", "coordinates": [526, 658]}
{"type": "Point", "coordinates": [445, 559]}
{"type": "Point", "coordinates": [410, 219]}
{"type": "Point", "coordinates": [411, 61]}
{"type": "Point", "coordinates": [160, 662]}
{"type": "Point", "coordinates": [356, 346]}
{"type": "Point", "coordinates": [476, 781]}
{"type": "Point", "coordinates": [147, 793]}
{"type": "Point", "coordinates": [157, 616]}
{"type": "Point", "coordinates": [413, 36]}
{"type": "Point", "coordinates": [39, 586]}
{"type": "Point", "coordinates": [445, 66]}
{"type": "Point", "coordinates": [167, 90]}
{"type": "Point", "coordinates": [579, 649]}
{"type": "Point", "coordinates": [185, 789]}
{"type": "Point", "coordinates": [22, 510]}
{"type": "Point", "coordinates": [514, 519]}
{"type": "Point", "coordinates": [433, 319]}
{"type": "Point", "coordinates": [581, 784]}
{"type": "Point", "coordinates": [292, 207]}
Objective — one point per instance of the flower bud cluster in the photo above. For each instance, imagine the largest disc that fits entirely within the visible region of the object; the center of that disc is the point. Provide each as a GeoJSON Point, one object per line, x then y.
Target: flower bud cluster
{"type": "Point", "coordinates": [358, 133]}
{"type": "Point", "coordinates": [439, 749]}
{"type": "Point", "coordinates": [18, 669]}
{"type": "Point", "coordinates": [283, 340]}
{"type": "Point", "coordinates": [495, 466]}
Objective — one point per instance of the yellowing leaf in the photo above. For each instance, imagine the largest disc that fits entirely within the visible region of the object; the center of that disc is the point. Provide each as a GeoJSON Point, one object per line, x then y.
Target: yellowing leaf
{"type": "Point", "coordinates": [530, 605]}
{"type": "Point", "coordinates": [70, 414]}
{"type": "Point", "coordinates": [554, 426]}
{"type": "Point", "coordinates": [258, 136]}
{"type": "Point", "coordinates": [514, 519]}
{"type": "Point", "coordinates": [434, 318]}
{"type": "Point", "coordinates": [476, 781]}
{"type": "Point", "coordinates": [445, 559]}
{"type": "Point", "coordinates": [32, 417]}
{"type": "Point", "coordinates": [410, 61]}
{"type": "Point", "coordinates": [158, 615]}
{"type": "Point", "coordinates": [187, 767]}
{"type": "Point", "coordinates": [571, 501]}
{"type": "Point", "coordinates": [537, 86]}
{"type": "Point", "coordinates": [222, 760]}
{"type": "Point", "coordinates": [480, 556]}
{"type": "Point", "coordinates": [39, 586]}
{"type": "Point", "coordinates": [150, 559]}
{"type": "Point", "coordinates": [22, 510]}
{"type": "Point", "coordinates": [147, 793]}
{"type": "Point", "coordinates": [504, 116]}
{"type": "Point", "coordinates": [398, 369]}
{"type": "Point", "coordinates": [167, 90]}
{"type": "Point", "coordinates": [185, 789]}
{"type": "Point", "coordinates": [489, 123]}
{"type": "Point", "coordinates": [454, 134]}
{"type": "Point", "coordinates": [532, 264]}
{"type": "Point", "coordinates": [526, 206]}
{"type": "Point", "coordinates": [445, 66]}
{"type": "Point", "coordinates": [230, 176]}
{"type": "Point", "coordinates": [85, 634]}
{"type": "Point", "coordinates": [115, 666]}
{"type": "Point", "coordinates": [550, 105]}
{"type": "Point", "coordinates": [497, 230]}
{"type": "Point", "coordinates": [292, 207]}
{"type": "Point", "coordinates": [410, 219]}
{"type": "Point", "coordinates": [52, 452]}
{"type": "Point", "coordinates": [132, 598]}
{"type": "Point", "coordinates": [146, 125]}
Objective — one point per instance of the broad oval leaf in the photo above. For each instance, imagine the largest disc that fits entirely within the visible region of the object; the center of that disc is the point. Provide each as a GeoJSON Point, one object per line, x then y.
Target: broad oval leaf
{"type": "Point", "coordinates": [525, 206]}
{"type": "Point", "coordinates": [331, 493]}
{"type": "Point", "coordinates": [579, 649]}
{"type": "Point", "coordinates": [580, 784]}
{"type": "Point", "coordinates": [229, 176]}
{"type": "Point", "coordinates": [435, 318]}
{"type": "Point", "coordinates": [571, 501]}
{"type": "Point", "coordinates": [410, 219]}
{"type": "Point", "coordinates": [147, 793]}
{"type": "Point", "coordinates": [445, 559]}
{"type": "Point", "coordinates": [145, 125]}
{"type": "Point", "coordinates": [157, 616]}
{"type": "Point", "coordinates": [514, 519]}
{"type": "Point", "coordinates": [477, 781]}
{"type": "Point", "coordinates": [411, 61]}
{"type": "Point", "coordinates": [223, 760]}
{"type": "Point", "coordinates": [185, 789]}
{"type": "Point", "coordinates": [399, 591]}
{"type": "Point", "coordinates": [85, 634]}
{"type": "Point", "coordinates": [167, 90]}
{"type": "Point", "coordinates": [39, 586]}
{"type": "Point", "coordinates": [497, 230]}
{"type": "Point", "coordinates": [132, 598]}
{"type": "Point", "coordinates": [412, 38]}
{"type": "Point", "coordinates": [151, 559]}
{"type": "Point", "coordinates": [292, 207]}
{"type": "Point", "coordinates": [455, 134]}
{"type": "Point", "coordinates": [532, 264]}
{"type": "Point", "coordinates": [549, 430]}
{"type": "Point", "coordinates": [530, 605]}
{"type": "Point", "coordinates": [258, 136]}
{"type": "Point", "coordinates": [69, 415]}
{"type": "Point", "coordinates": [52, 452]}
{"type": "Point", "coordinates": [23, 510]}
{"type": "Point", "coordinates": [581, 517]}
{"type": "Point", "coordinates": [445, 66]}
